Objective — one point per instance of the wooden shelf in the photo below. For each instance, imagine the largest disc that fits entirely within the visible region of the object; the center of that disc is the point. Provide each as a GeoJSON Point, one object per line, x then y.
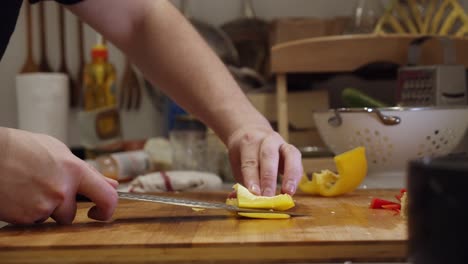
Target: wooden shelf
{"type": "Point", "coordinates": [347, 53]}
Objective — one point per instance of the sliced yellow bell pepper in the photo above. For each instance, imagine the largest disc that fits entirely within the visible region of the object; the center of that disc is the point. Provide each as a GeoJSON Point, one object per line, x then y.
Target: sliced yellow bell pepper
{"type": "Point", "coordinates": [352, 169]}
{"type": "Point", "coordinates": [265, 216]}
{"type": "Point", "coordinates": [246, 199]}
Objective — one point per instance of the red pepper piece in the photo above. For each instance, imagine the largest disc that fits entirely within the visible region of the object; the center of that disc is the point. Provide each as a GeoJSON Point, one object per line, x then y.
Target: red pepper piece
{"type": "Point", "coordinates": [398, 196]}
{"type": "Point", "coordinates": [377, 203]}
{"type": "Point", "coordinates": [392, 206]}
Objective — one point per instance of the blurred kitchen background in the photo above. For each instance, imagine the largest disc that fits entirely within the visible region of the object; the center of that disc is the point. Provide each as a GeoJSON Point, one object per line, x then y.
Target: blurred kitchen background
{"type": "Point", "coordinates": [287, 19]}
{"type": "Point", "coordinates": [136, 124]}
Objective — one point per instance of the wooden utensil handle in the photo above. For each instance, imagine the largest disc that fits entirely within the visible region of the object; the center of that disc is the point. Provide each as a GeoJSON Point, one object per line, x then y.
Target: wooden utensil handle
{"type": "Point", "coordinates": [80, 43]}
{"type": "Point", "coordinates": [29, 30]}
{"type": "Point", "coordinates": [63, 67]}
{"type": "Point", "coordinates": [42, 28]}
{"type": "Point", "coordinates": [248, 9]}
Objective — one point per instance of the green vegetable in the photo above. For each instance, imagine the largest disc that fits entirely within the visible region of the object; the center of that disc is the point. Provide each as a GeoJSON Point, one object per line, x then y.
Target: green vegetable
{"type": "Point", "coordinates": [355, 98]}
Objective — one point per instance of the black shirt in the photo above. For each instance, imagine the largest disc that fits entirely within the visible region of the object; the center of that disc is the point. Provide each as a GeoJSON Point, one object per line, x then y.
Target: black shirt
{"type": "Point", "coordinates": [9, 12]}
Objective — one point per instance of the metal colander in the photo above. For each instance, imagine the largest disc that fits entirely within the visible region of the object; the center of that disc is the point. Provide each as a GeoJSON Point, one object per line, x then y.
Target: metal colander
{"type": "Point", "coordinates": [393, 136]}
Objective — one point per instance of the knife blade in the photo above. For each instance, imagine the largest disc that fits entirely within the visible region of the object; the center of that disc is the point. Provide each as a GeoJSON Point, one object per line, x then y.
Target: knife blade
{"type": "Point", "coordinates": [198, 204]}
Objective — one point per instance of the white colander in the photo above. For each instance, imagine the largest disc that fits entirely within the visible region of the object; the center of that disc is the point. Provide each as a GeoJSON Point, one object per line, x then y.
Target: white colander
{"type": "Point", "coordinates": [393, 136]}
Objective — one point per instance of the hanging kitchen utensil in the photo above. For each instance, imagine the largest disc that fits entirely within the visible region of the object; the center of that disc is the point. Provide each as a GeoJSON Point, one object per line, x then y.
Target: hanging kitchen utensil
{"type": "Point", "coordinates": [63, 62]}
{"type": "Point", "coordinates": [250, 37]}
{"type": "Point", "coordinates": [44, 65]}
{"type": "Point", "coordinates": [130, 97]}
{"type": "Point", "coordinates": [215, 37]}
{"type": "Point", "coordinates": [137, 90]}
{"type": "Point", "coordinates": [434, 17]}
{"type": "Point", "coordinates": [81, 63]}
{"type": "Point", "coordinates": [29, 65]}
{"type": "Point", "coordinates": [247, 78]}
{"type": "Point", "coordinates": [155, 95]}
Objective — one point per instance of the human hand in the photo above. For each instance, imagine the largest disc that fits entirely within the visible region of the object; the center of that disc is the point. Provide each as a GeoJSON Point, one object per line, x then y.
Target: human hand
{"type": "Point", "coordinates": [258, 154]}
{"type": "Point", "coordinates": [40, 177]}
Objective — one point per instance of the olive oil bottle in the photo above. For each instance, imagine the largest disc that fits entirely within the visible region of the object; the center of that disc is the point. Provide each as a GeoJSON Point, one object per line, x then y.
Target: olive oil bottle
{"type": "Point", "coordinates": [99, 80]}
{"type": "Point", "coordinates": [100, 129]}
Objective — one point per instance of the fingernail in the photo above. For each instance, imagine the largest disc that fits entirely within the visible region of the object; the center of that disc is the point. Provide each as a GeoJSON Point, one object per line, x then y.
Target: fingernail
{"type": "Point", "coordinates": [255, 189]}
{"type": "Point", "coordinates": [268, 192]}
{"type": "Point", "coordinates": [290, 187]}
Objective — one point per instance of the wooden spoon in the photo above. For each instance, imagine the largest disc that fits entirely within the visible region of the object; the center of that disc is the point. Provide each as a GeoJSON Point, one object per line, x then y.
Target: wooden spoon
{"type": "Point", "coordinates": [63, 63]}
{"type": "Point", "coordinates": [129, 88]}
{"type": "Point", "coordinates": [81, 63]}
{"type": "Point", "coordinates": [43, 62]}
{"type": "Point", "coordinates": [29, 65]}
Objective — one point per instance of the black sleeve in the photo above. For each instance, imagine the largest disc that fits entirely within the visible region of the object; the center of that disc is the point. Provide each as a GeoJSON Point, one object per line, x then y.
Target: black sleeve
{"type": "Point", "coordinates": [65, 2]}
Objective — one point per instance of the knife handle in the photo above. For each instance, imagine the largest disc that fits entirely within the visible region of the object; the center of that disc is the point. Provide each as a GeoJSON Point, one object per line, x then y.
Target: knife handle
{"type": "Point", "coordinates": [82, 198]}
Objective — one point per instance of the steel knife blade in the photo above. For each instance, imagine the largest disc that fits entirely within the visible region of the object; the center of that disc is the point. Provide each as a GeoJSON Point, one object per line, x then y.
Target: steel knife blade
{"type": "Point", "coordinates": [197, 204]}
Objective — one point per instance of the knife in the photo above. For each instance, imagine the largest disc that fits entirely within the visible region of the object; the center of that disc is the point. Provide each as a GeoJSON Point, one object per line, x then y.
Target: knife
{"type": "Point", "coordinates": [198, 204]}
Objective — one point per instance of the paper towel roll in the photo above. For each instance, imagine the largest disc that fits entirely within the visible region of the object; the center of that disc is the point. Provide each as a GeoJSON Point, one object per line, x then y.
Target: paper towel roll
{"type": "Point", "coordinates": [42, 100]}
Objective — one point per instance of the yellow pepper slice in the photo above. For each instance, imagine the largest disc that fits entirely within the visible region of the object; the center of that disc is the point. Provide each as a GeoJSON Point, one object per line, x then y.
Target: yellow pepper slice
{"type": "Point", "coordinates": [246, 199]}
{"type": "Point", "coordinates": [265, 216]}
{"type": "Point", "coordinates": [352, 169]}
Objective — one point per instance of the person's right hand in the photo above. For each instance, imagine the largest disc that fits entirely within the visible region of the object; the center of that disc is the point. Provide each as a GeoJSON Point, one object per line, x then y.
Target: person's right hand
{"type": "Point", "coordinates": [40, 178]}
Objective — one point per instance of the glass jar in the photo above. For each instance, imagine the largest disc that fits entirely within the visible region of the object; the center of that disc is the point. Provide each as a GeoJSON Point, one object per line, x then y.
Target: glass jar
{"type": "Point", "coordinates": [188, 142]}
{"type": "Point", "coordinates": [366, 15]}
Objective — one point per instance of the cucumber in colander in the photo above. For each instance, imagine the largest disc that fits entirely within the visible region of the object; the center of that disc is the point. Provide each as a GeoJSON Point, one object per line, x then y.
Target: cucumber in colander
{"type": "Point", "coordinates": [355, 98]}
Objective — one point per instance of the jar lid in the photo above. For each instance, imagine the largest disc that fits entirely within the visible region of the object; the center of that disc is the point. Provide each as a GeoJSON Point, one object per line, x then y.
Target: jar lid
{"type": "Point", "coordinates": [188, 122]}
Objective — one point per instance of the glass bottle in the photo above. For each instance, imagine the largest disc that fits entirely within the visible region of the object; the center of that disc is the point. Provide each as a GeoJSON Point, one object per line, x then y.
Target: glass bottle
{"type": "Point", "coordinates": [100, 129]}
{"type": "Point", "coordinates": [365, 17]}
{"type": "Point", "coordinates": [188, 142]}
{"type": "Point", "coordinates": [99, 80]}
{"type": "Point", "coordinates": [123, 166]}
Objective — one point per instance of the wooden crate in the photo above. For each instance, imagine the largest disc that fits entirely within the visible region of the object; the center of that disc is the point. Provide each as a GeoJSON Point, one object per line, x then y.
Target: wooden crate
{"type": "Point", "coordinates": [290, 29]}
{"type": "Point", "coordinates": [302, 105]}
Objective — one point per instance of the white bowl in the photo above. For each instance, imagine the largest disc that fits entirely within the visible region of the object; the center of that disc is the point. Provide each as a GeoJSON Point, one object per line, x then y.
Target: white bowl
{"type": "Point", "coordinates": [393, 136]}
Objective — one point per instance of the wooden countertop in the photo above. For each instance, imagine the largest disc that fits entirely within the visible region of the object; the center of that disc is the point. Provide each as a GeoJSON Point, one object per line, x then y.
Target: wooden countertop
{"type": "Point", "coordinates": [335, 229]}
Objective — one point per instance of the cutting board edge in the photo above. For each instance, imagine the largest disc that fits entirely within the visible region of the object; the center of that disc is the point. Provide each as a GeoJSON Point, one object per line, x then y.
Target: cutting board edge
{"type": "Point", "coordinates": [320, 251]}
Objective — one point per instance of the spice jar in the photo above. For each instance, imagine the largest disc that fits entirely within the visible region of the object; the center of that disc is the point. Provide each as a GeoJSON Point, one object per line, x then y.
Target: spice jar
{"type": "Point", "coordinates": [188, 142]}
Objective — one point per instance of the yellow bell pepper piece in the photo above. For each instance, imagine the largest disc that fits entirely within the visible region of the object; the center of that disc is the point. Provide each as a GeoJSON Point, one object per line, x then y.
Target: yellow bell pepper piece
{"type": "Point", "coordinates": [352, 169]}
{"type": "Point", "coordinates": [246, 199]}
{"type": "Point", "coordinates": [265, 216]}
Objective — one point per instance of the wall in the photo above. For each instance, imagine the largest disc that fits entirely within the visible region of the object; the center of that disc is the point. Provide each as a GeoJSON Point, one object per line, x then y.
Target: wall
{"type": "Point", "coordinates": [136, 124]}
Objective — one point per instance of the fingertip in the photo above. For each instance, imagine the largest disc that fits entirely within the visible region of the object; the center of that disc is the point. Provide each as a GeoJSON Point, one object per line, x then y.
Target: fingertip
{"type": "Point", "coordinates": [100, 214]}
{"type": "Point", "coordinates": [104, 210]}
{"type": "Point", "coordinates": [254, 188]}
{"type": "Point", "coordinates": [95, 213]}
{"type": "Point", "coordinates": [268, 191]}
{"type": "Point", "coordinates": [64, 221]}
{"type": "Point", "coordinates": [289, 188]}
{"type": "Point", "coordinates": [101, 191]}
{"type": "Point", "coordinates": [112, 182]}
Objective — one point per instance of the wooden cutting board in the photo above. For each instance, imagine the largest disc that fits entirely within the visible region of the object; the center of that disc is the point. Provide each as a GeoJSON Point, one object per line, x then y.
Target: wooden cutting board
{"type": "Point", "coordinates": [336, 229]}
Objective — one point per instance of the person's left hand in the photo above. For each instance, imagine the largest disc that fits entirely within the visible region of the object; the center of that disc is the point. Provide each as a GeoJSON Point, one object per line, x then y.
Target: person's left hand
{"type": "Point", "coordinates": [258, 155]}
